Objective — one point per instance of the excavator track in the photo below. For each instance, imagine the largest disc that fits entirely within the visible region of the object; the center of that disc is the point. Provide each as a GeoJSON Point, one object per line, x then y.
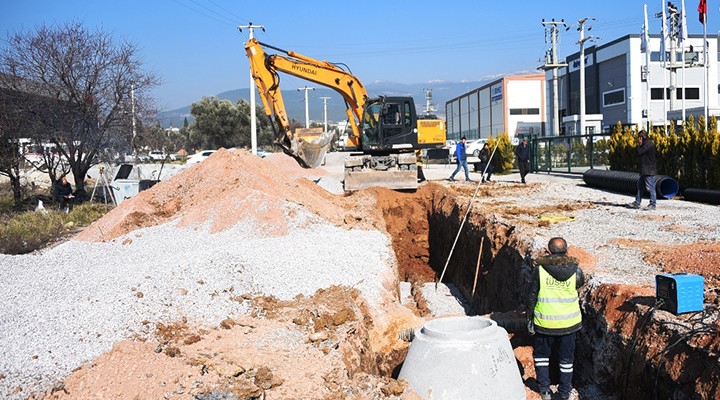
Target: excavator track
{"type": "Point", "coordinates": [398, 172]}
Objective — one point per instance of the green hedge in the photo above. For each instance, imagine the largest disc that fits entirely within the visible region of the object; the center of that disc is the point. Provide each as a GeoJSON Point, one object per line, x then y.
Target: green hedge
{"type": "Point", "coordinates": [691, 156]}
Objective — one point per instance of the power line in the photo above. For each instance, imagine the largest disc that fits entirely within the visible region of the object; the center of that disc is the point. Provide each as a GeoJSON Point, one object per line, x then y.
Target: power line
{"type": "Point", "coordinates": [213, 12]}
{"type": "Point", "coordinates": [228, 11]}
{"type": "Point", "coordinates": [204, 14]}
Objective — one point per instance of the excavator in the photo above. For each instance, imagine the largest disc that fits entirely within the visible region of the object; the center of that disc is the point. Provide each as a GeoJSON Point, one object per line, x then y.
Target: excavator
{"type": "Point", "coordinates": [386, 131]}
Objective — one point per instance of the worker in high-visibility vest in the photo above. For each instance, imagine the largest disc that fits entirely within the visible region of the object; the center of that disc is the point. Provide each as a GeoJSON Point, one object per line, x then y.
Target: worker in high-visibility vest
{"type": "Point", "coordinates": [554, 315]}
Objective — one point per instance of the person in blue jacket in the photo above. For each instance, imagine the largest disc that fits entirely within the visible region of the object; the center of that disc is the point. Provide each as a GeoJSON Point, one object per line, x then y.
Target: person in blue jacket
{"type": "Point", "coordinates": [461, 157]}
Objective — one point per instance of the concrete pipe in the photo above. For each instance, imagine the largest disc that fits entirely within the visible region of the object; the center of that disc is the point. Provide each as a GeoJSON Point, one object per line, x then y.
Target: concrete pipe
{"type": "Point", "coordinates": [462, 358]}
{"type": "Point", "coordinates": [626, 182]}
{"type": "Point", "coordinates": [709, 196]}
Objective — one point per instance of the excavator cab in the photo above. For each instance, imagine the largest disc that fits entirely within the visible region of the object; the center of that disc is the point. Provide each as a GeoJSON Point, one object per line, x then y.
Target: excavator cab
{"type": "Point", "coordinates": [389, 124]}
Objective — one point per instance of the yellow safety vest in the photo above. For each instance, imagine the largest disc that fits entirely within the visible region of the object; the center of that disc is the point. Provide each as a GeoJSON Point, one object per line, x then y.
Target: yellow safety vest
{"type": "Point", "coordinates": [558, 306]}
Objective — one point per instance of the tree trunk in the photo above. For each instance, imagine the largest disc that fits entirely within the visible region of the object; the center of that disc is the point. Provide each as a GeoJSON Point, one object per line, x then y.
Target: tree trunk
{"type": "Point", "coordinates": [17, 191]}
{"type": "Point", "coordinates": [80, 171]}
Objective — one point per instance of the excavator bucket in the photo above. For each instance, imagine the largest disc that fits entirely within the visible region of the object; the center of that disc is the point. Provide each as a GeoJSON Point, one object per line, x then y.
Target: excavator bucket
{"type": "Point", "coordinates": [312, 152]}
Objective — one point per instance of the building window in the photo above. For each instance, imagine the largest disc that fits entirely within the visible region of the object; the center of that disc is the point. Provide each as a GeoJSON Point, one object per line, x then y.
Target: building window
{"type": "Point", "coordinates": [690, 94]}
{"type": "Point", "coordinates": [614, 97]}
{"type": "Point", "coordinates": [524, 111]}
{"type": "Point", "coordinates": [655, 56]}
{"type": "Point", "coordinates": [656, 94]}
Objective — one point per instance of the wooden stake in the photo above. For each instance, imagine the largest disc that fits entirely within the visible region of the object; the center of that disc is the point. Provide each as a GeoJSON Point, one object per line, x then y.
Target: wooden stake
{"type": "Point", "coordinates": [477, 267]}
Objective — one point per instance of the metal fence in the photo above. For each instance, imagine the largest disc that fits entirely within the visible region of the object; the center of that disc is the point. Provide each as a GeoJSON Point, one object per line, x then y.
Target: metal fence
{"type": "Point", "coordinates": [570, 154]}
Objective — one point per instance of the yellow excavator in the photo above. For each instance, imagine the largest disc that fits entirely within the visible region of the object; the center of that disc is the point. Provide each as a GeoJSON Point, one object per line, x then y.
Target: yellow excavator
{"type": "Point", "coordinates": [385, 129]}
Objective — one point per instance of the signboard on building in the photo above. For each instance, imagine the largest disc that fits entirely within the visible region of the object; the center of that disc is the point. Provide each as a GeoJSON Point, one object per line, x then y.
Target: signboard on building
{"type": "Point", "coordinates": [496, 93]}
{"type": "Point", "coordinates": [575, 64]}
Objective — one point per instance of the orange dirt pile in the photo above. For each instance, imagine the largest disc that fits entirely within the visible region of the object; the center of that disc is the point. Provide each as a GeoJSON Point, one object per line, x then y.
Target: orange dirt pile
{"type": "Point", "coordinates": [311, 347]}
{"type": "Point", "coordinates": [228, 187]}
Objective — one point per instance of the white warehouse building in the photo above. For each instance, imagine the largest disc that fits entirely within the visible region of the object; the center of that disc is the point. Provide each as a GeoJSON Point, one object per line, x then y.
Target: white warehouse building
{"type": "Point", "coordinates": [616, 85]}
{"type": "Point", "coordinates": [514, 104]}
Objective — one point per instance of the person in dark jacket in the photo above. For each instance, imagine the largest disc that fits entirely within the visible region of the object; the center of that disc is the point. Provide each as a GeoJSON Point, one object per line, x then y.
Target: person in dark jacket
{"type": "Point", "coordinates": [522, 152]}
{"type": "Point", "coordinates": [648, 169]}
{"type": "Point", "coordinates": [554, 315]}
{"type": "Point", "coordinates": [419, 158]}
{"type": "Point", "coordinates": [63, 193]}
{"type": "Point", "coordinates": [461, 157]}
{"type": "Point", "coordinates": [485, 162]}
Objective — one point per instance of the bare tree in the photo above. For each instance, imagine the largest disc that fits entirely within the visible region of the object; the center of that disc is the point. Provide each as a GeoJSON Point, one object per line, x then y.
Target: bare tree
{"type": "Point", "coordinates": [76, 87]}
{"type": "Point", "coordinates": [10, 156]}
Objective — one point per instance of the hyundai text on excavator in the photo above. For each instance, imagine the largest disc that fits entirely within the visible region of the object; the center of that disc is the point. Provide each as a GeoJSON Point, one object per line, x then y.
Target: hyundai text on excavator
{"type": "Point", "coordinates": [385, 129]}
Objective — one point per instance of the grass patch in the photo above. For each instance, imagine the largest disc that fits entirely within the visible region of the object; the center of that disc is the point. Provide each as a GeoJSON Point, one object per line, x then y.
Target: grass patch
{"type": "Point", "coordinates": [28, 231]}
{"type": "Point", "coordinates": [6, 203]}
{"type": "Point", "coordinates": [86, 213]}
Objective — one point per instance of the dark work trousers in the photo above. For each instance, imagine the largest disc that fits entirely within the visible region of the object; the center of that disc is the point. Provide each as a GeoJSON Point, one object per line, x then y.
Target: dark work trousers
{"type": "Point", "coordinates": [483, 165]}
{"type": "Point", "coordinates": [542, 349]}
{"type": "Point", "coordinates": [524, 169]}
{"type": "Point", "coordinates": [420, 174]}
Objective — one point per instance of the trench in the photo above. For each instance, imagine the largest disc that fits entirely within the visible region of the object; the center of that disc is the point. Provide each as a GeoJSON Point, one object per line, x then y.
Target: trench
{"type": "Point", "coordinates": [610, 362]}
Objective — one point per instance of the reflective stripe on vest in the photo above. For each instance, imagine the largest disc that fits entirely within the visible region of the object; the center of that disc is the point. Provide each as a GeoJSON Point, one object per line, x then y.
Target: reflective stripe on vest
{"type": "Point", "coordinates": [557, 306]}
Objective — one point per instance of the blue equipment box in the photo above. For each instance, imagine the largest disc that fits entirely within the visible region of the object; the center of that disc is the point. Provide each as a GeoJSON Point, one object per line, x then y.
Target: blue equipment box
{"type": "Point", "coordinates": [681, 292]}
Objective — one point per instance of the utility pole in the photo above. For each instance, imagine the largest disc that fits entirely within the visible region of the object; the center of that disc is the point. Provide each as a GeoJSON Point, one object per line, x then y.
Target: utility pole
{"type": "Point", "coordinates": [253, 118]}
{"type": "Point", "coordinates": [307, 105]}
{"type": "Point", "coordinates": [132, 101]}
{"type": "Point", "coordinates": [673, 34]}
{"type": "Point", "coordinates": [581, 42]}
{"type": "Point", "coordinates": [325, 99]}
{"type": "Point", "coordinates": [552, 34]}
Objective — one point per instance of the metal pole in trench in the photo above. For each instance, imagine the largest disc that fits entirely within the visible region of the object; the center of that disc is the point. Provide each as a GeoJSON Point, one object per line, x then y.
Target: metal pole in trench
{"type": "Point", "coordinates": [467, 212]}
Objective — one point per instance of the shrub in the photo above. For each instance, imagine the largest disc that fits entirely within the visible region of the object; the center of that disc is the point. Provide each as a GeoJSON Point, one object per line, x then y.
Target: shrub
{"type": "Point", "coordinates": [29, 231]}
{"type": "Point", "coordinates": [504, 158]}
{"type": "Point", "coordinates": [6, 203]}
{"type": "Point", "coordinates": [87, 213]}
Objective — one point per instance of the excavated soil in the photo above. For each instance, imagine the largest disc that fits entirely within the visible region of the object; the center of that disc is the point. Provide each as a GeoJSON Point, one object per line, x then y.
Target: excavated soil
{"type": "Point", "coordinates": [327, 346]}
{"type": "Point", "coordinates": [314, 347]}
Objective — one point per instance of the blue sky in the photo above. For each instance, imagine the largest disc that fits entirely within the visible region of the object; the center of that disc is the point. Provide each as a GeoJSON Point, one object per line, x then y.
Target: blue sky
{"type": "Point", "coordinates": [195, 48]}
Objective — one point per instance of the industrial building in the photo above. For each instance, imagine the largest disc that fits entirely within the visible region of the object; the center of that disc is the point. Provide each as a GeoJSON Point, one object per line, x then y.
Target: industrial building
{"type": "Point", "coordinates": [513, 104]}
{"type": "Point", "coordinates": [618, 88]}
{"type": "Point", "coordinates": [617, 84]}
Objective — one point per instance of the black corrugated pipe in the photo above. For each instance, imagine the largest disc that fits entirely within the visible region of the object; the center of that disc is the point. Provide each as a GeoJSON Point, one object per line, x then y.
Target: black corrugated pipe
{"type": "Point", "coordinates": [709, 196]}
{"type": "Point", "coordinates": [626, 182]}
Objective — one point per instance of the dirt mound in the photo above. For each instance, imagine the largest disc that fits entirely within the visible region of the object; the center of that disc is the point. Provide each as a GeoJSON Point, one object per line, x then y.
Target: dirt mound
{"type": "Point", "coordinates": [316, 346]}
{"type": "Point", "coordinates": [228, 187]}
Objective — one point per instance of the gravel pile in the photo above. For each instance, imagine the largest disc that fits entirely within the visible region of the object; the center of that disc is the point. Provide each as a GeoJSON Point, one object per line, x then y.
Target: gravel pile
{"type": "Point", "coordinates": [65, 306]}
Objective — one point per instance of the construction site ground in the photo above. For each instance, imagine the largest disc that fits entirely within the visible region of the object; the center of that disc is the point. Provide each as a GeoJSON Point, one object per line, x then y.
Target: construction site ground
{"type": "Point", "coordinates": [247, 278]}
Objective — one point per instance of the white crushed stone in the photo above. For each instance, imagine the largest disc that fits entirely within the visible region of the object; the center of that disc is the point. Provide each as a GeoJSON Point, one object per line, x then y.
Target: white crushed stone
{"type": "Point", "coordinates": [65, 306]}
{"type": "Point", "coordinates": [331, 184]}
{"type": "Point", "coordinates": [444, 299]}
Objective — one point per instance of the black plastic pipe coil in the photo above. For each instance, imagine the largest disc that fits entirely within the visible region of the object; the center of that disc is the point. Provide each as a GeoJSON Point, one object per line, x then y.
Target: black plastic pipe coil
{"type": "Point", "coordinates": [626, 182]}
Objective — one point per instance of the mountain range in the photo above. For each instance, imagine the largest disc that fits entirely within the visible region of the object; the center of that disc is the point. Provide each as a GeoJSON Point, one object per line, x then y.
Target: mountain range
{"type": "Point", "coordinates": [295, 100]}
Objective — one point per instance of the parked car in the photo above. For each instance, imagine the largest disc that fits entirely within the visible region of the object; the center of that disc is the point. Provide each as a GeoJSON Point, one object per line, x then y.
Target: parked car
{"type": "Point", "coordinates": [199, 156]}
{"type": "Point", "coordinates": [157, 155]}
{"type": "Point", "coordinates": [450, 145]}
{"type": "Point", "coordinates": [473, 147]}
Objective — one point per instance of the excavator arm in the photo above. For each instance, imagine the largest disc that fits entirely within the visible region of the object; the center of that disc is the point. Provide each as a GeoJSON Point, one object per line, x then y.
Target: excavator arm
{"type": "Point", "coordinates": [265, 67]}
